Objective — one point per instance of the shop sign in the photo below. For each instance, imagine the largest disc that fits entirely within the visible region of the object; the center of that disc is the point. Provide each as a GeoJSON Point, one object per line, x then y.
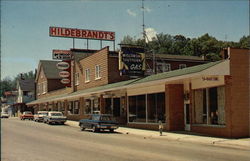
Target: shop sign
{"type": "Point", "coordinates": [81, 33]}
{"type": "Point", "coordinates": [63, 65]}
{"type": "Point", "coordinates": [210, 78]}
{"type": "Point", "coordinates": [208, 81]}
{"type": "Point", "coordinates": [61, 54]}
{"type": "Point", "coordinates": [132, 61]}
{"type": "Point", "coordinates": [65, 81]}
{"type": "Point", "coordinates": [64, 74]}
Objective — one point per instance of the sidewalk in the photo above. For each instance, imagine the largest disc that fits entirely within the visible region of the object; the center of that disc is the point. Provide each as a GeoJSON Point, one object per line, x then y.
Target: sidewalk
{"type": "Point", "coordinates": [149, 134]}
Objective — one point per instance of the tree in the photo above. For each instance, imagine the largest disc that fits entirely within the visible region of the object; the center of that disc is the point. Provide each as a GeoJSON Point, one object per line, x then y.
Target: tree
{"type": "Point", "coordinates": [245, 42]}
{"type": "Point", "coordinates": [6, 85]}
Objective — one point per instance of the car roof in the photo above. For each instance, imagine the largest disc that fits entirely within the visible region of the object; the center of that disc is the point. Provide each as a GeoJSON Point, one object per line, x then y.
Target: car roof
{"type": "Point", "coordinates": [55, 112]}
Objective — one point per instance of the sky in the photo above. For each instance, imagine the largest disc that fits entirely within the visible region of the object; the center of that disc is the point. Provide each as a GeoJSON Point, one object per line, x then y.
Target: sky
{"type": "Point", "coordinates": [25, 24]}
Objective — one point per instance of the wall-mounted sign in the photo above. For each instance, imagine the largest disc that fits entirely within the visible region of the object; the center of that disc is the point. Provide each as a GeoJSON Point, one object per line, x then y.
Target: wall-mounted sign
{"type": "Point", "coordinates": [63, 65]}
{"type": "Point", "coordinates": [65, 81]}
{"type": "Point", "coordinates": [132, 61]}
{"type": "Point", "coordinates": [81, 33]}
{"type": "Point", "coordinates": [208, 81]}
{"type": "Point", "coordinates": [64, 74]}
{"type": "Point", "coordinates": [210, 78]}
{"type": "Point", "coordinates": [61, 54]}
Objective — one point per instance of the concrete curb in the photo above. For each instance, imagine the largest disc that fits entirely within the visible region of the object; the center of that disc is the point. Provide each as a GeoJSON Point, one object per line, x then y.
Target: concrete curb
{"type": "Point", "coordinates": [148, 134]}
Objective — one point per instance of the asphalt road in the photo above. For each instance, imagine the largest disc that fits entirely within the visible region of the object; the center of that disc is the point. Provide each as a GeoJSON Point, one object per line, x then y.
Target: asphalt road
{"type": "Point", "coordinates": [31, 141]}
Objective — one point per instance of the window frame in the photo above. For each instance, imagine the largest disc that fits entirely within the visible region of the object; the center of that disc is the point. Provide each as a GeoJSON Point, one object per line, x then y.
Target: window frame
{"type": "Point", "coordinates": [77, 75]}
{"type": "Point", "coordinates": [87, 75]}
{"type": "Point", "coordinates": [97, 72]}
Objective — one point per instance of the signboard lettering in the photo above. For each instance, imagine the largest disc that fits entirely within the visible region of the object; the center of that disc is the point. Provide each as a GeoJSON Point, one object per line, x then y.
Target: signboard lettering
{"type": "Point", "coordinates": [63, 65]}
{"type": "Point", "coordinates": [65, 81]}
{"type": "Point", "coordinates": [132, 61]}
{"type": "Point", "coordinates": [81, 33]}
{"type": "Point", "coordinates": [61, 54]}
{"type": "Point", "coordinates": [64, 74]}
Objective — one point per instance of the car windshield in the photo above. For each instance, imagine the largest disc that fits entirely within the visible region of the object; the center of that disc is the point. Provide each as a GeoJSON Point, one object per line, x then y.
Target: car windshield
{"type": "Point", "coordinates": [56, 114]}
{"type": "Point", "coordinates": [43, 113]}
{"type": "Point", "coordinates": [106, 118]}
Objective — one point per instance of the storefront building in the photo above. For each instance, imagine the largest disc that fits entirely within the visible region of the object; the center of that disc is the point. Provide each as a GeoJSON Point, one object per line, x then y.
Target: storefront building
{"type": "Point", "coordinates": [211, 98]}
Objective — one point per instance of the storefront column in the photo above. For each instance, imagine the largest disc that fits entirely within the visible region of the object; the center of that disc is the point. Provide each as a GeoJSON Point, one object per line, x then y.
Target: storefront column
{"type": "Point", "coordinates": [102, 104]}
{"type": "Point", "coordinates": [174, 107]}
{"type": "Point", "coordinates": [66, 107]}
{"type": "Point", "coordinates": [81, 105]}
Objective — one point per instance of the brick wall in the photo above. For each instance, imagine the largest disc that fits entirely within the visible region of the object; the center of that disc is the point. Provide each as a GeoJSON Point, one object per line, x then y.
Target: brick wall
{"type": "Point", "coordinates": [240, 112]}
{"type": "Point", "coordinates": [174, 107]}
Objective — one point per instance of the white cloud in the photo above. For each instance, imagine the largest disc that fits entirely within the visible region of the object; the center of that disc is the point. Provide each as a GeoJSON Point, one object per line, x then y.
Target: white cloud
{"type": "Point", "coordinates": [131, 13]}
{"type": "Point", "coordinates": [146, 9]}
{"type": "Point", "coordinates": [151, 33]}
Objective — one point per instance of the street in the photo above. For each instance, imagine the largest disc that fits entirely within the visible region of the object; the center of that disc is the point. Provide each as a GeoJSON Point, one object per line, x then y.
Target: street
{"type": "Point", "coordinates": [32, 141]}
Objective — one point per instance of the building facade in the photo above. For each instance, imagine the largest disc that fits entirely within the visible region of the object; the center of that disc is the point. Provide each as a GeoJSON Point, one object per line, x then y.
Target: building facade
{"type": "Point", "coordinates": [210, 98]}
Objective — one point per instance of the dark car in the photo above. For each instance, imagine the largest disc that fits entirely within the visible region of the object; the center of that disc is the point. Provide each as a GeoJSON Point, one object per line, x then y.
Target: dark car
{"type": "Point", "coordinates": [98, 122]}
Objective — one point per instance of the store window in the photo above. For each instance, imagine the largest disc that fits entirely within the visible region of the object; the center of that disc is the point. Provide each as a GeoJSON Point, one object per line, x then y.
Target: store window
{"type": "Point", "coordinates": [87, 75]}
{"type": "Point", "coordinates": [148, 108]}
{"type": "Point", "coordinates": [96, 108]}
{"type": "Point", "coordinates": [181, 66]}
{"type": "Point", "coordinates": [156, 107]}
{"type": "Point", "coordinates": [163, 67]}
{"type": "Point", "coordinates": [76, 107]}
{"type": "Point", "coordinates": [97, 72]}
{"type": "Point", "coordinates": [209, 106]}
{"type": "Point", "coordinates": [71, 108]}
{"type": "Point", "coordinates": [87, 109]}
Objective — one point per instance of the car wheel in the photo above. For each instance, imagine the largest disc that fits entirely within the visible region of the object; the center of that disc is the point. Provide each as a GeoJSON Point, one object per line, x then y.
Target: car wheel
{"type": "Point", "coordinates": [82, 127]}
{"type": "Point", "coordinates": [95, 129]}
{"type": "Point", "coordinates": [111, 130]}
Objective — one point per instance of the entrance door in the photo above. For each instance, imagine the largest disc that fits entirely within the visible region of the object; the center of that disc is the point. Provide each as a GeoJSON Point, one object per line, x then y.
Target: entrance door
{"type": "Point", "coordinates": [187, 117]}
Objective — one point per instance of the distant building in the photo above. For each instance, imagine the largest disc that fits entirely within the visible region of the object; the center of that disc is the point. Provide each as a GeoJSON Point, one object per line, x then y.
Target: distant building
{"type": "Point", "coordinates": [25, 94]}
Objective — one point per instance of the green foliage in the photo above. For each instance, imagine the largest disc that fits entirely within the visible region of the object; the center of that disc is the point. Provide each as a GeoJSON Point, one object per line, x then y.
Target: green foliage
{"type": "Point", "coordinates": [8, 84]}
{"type": "Point", "coordinates": [205, 45]}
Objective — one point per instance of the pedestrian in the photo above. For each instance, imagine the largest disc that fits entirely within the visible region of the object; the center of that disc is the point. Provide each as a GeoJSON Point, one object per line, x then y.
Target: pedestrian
{"type": "Point", "coordinates": [160, 127]}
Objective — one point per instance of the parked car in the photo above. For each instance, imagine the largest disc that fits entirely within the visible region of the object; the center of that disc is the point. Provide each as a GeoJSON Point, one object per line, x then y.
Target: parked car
{"type": "Point", "coordinates": [27, 115]}
{"type": "Point", "coordinates": [98, 122]}
{"type": "Point", "coordinates": [55, 117]}
{"type": "Point", "coordinates": [4, 115]}
{"type": "Point", "coordinates": [39, 117]}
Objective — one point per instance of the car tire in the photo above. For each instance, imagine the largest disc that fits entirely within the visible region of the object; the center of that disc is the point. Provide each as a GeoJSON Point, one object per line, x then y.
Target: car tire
{"type": "Point", "coordinates": [95, 129]}
{"type": "Point", "coordinates": [111, 130]}
{"type": "Point", "coordinates": [82, 128]}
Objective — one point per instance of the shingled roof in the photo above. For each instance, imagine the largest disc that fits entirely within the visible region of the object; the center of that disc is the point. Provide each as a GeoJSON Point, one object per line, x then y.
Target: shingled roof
{"type": "Point", "coordinates": [27, 85]}
{"type": "Point", "coordinates": [50, 69]}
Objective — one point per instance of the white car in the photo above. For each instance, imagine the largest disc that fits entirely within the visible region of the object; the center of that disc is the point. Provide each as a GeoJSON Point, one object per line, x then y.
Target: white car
{"type": "Point", "coordinates": [4, 115]}
{"type": "Point", "coordinates": [55, 117]}
{"type": "Point", "coordinates": [39, 117]}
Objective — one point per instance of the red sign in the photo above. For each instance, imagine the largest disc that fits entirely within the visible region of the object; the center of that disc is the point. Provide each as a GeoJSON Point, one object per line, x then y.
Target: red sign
{"type": "Point", "coordinates": [81, 33]}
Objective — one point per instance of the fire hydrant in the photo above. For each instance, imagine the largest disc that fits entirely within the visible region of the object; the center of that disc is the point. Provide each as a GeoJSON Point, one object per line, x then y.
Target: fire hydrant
{"type": "Point", "coordinates": [160, 128]}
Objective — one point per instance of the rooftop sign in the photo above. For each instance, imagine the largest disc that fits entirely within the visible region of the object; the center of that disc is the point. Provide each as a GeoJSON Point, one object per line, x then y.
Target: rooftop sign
{"type": "Point", "coordinates": [81, 33]}
{"type": "Point", "coordinates": [61, 54]}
